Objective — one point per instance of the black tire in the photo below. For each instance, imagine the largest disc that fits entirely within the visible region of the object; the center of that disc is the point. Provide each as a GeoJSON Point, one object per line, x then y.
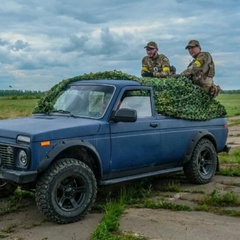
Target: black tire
{"type": "Point", "coordinates": [203, 164]}
{"type": "Point", "coordinates": [6, 188]}
{"type": "Point", "coordinates": [66, 191]}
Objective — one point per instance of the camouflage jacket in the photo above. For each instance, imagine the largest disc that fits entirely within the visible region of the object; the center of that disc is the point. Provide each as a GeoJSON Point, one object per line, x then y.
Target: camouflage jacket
{"type": "Point", "coordinates": [201, 68]}
{"type": "Point", "coordinates": [158, 65]}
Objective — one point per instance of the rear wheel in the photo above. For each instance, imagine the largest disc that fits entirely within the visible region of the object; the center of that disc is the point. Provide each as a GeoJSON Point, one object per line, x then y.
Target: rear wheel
{"type": "Point", "coordinates": [203, 164]}
{"type": "Point", "coordinates": [66, 191]}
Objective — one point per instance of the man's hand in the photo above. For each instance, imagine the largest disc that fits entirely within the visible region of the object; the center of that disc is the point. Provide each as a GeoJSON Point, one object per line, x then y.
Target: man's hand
{"type": "Point", "coordinates": [147, 74]}
{"type": "Point", "coordinates": [176, 75]}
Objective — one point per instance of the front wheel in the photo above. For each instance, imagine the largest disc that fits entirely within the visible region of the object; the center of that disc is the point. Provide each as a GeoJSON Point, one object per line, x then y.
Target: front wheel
{"type": "Point", "coordinates": [66, 191]}
{"type": "Point", "coordinates": [203, 164]}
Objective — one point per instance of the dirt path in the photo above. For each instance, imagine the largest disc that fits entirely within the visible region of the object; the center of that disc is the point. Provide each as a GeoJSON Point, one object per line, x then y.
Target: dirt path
{"type": "Point", "coordinates": [158, 224]}
{"type": "Point", "coordinates": [169, 225]}
{"type": "Point", "coordinates": [29, 224]}
{"type": "Point", "coordinates": [234, 133]}
{"type": "Point", "coordinates": [161, 224]}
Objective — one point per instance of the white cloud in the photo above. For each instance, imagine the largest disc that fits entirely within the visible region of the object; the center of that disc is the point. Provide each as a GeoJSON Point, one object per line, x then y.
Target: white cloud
{"type": "Point", "coordinates": [45, 42]}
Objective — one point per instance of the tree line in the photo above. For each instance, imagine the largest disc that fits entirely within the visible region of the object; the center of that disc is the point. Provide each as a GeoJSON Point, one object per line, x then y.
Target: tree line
{"type": "Point", "coordinates": [21, 93]}
{"type": "Point", "coordinates": [231, 91]}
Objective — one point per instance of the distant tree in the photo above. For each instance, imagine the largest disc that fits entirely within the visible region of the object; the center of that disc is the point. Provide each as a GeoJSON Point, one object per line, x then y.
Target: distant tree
{"type": "Point", "coordinates": [231, 91]}
{"type": "Point", "coordinates": [22, 93]}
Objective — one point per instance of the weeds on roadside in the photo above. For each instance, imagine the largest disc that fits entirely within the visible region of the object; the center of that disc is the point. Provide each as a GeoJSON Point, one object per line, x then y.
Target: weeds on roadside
{"type": "Point", "coordinates": [15, 202]}
{"type": "Point", "coordinates": [232, 157]}
{"type": "Point", "coordinates": [9, 229]}
{"type": "Point", "coordinates": [230, 171]}
{"type": "Point", "coordinates": [149, 203]}
{"type": "Point", "coordinates": [4, 231]}
{"type": "Point", "coordinates": [109, 226]}
{"type": "Point", "coordinates": [216, 198]}
{"type": "Point", "coordinates": [230, 163]}
{"type": "Point", "coordinates": [172, 185]}
{"type": "Point", "coordinates": [136, 193]}
{"type": "Point", "coordinates": [234, 122]}
{"type": "Point", "coordinates": [3, 235]}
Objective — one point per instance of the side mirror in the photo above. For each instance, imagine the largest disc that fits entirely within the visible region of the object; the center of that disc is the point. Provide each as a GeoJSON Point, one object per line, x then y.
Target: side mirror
{"type": "Point", "coordinates": [125, 115]}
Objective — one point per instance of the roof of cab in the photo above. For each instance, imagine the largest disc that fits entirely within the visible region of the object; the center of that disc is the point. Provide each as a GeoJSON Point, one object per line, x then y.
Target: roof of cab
{"type": "Point", "coordinates": [108, 82]}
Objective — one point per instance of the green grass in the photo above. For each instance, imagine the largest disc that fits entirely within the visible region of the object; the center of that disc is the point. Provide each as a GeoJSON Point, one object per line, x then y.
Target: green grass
{"type": "Point", "coordinates": [230, 163]}
{"type": "Point", "coordinates": [163, 204]}
{"type": "Point", "coordinates": [16, 202]}
{"type": "Point", "coordinates": [216, 198]}
{"type": "Point", "coordinates": [233, 122]}
{"type": "Point", "coordinates": [231, 103]}
{"type": "Point", "coordinates": [108, 228]}
{"type": "Point", "coordinates": [12, 108]}
{"type": "Point", "coordinates": [232, 157]}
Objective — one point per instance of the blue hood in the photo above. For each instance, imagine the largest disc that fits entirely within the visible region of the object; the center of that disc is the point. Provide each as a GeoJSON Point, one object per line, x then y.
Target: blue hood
{"type": "Point", "coordinates": [44, 127]}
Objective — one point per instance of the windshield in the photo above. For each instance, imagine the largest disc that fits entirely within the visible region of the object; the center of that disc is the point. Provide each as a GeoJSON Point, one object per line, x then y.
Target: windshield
{"type": "Point", "coordinates": [84, 101]}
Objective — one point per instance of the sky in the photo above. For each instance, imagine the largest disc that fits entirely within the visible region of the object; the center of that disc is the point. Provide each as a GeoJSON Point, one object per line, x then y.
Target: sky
{"type": "Point", "coordinates": [44, 42]}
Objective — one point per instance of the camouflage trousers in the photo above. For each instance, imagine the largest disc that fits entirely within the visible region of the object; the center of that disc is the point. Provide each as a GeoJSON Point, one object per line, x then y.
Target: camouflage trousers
{"type": "Point", "coordinates": [210, 88]}
{"type": "Point", "coordinates": [207, 84]}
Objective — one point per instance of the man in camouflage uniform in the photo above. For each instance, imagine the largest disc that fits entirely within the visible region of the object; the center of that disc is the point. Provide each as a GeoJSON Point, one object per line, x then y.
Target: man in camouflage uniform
{"type": "Point", "coordinates": [202, 69]}
{"type": "Point", "coordinates": [154, 64]}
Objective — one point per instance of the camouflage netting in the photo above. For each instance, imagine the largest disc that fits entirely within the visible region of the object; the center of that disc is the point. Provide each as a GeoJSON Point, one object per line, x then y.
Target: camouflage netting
{"type": "Point", "coordinates": [173, 97]}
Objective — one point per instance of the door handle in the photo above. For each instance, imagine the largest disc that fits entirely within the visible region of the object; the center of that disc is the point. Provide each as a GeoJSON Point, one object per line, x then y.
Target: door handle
{"type": "Point", "coordinates": [154, 125]}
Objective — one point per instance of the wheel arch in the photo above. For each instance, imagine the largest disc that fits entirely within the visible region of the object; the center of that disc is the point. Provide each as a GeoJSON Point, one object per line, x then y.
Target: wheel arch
{"type": "Point", "coordinates": [78, 149]}
{"type": "Point", "coordinates": [195, 139]}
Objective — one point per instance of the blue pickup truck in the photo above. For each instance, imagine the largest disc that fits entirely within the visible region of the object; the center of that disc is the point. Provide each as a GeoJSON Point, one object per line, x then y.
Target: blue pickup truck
{"type": "Point", "coordinates": [102, 132]}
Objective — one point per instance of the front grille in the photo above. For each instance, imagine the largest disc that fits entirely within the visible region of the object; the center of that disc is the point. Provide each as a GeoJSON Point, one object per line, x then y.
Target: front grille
{"type": "Point", "coordinates": [7, 156]}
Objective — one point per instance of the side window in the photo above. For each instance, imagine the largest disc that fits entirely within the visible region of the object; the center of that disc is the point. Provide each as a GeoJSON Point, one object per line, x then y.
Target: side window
{"type": "Point", "coordinates": [139, 100]}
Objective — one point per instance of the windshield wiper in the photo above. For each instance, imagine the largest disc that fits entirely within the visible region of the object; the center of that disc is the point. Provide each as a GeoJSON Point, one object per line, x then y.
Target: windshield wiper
{"type": "Point", "coordinates": [63, 112]}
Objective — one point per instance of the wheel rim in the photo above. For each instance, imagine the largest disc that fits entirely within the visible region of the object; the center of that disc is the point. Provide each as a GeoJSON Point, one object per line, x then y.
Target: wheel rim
{"type": "Point", "coordinates": [205, 162]}
{"type": "Point", "coordinates": [71, 193]}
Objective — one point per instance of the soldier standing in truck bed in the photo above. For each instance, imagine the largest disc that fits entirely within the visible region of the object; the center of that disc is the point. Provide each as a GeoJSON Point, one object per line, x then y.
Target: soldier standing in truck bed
{"type": "Point", "coordinates": [202, 69]}
{"type": "Point", "coordinates": [155, 64]}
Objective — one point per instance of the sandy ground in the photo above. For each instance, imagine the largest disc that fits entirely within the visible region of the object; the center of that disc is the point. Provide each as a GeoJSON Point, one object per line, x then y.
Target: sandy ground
{"type": "Point", "coordinates": [158, 224]}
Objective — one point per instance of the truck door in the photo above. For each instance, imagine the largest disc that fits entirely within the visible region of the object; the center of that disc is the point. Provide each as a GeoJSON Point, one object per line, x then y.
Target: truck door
{"type": "Point", "coordinates": [135, 144]}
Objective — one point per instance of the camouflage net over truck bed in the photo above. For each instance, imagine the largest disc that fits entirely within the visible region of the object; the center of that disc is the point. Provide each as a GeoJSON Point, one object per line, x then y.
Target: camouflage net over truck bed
{"type": "Point", "coordinates": [177, 98]}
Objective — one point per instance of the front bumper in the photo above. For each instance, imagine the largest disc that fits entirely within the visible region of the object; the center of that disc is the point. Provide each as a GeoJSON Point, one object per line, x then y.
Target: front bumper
{"type": "Point", "coordinates": [19, 177]}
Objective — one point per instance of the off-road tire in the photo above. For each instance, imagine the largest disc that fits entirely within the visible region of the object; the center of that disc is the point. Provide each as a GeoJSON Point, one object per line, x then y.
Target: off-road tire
{"type": "Point", "coordinates": [6, 188]}
{"type": "Point", "coordinates": [203, 164]}
{"type": "Point", "coordinates": [66, 191]}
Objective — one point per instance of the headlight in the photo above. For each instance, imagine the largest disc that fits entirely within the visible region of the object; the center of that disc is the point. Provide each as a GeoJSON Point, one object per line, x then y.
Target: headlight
{"type": "Point", "coordinates": [23, 139]}
{"type": "Point", "coordinates": [22, 159]}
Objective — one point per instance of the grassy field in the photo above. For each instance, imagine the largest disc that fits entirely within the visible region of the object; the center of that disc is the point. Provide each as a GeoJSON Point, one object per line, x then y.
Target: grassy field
{"type": "Point", "coordinates": [231, 103]}
{"type": "Point", "coordinates": [11, 108]}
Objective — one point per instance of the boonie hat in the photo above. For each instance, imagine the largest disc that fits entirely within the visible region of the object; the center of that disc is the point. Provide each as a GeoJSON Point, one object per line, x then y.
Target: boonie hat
{"type": "Point", "coordinates": [151, 45]}
{"type": "Point", "coordinates": [192, 43]}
